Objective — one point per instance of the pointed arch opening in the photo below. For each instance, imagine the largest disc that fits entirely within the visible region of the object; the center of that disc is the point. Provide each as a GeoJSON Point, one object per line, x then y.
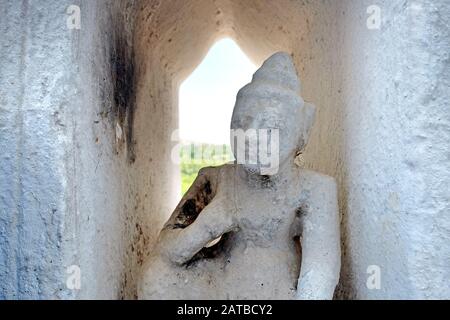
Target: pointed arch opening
{"type": "Point", "coordinates": [206, 101]}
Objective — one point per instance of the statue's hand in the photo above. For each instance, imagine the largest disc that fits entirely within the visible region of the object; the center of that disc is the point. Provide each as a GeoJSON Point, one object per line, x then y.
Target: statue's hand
{"type": "Point", "coordinates": [203, 215]}
{"type": "Point", "coordinates": [214, 221]}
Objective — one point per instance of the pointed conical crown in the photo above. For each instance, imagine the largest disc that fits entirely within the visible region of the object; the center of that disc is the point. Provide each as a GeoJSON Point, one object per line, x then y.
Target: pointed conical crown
{"type": "Point", "coordinates": [278, 70]}
{"type": "Point", "coordinates": [276, 79]}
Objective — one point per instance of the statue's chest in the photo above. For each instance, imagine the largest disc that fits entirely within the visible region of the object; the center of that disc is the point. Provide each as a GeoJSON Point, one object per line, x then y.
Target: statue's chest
{"type": "Point", "coordinates": [266, 213]}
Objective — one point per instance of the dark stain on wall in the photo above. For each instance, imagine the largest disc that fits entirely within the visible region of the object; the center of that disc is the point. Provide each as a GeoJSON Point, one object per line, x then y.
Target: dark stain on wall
{"type": "Point", "coordinates": [122, 68]}
{"type": "Point", "coordinates": [123, 75]}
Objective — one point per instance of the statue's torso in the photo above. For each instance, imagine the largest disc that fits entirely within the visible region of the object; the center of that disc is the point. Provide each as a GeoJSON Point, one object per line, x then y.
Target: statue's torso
{"type": "Point", "coordinates": [258, 261]}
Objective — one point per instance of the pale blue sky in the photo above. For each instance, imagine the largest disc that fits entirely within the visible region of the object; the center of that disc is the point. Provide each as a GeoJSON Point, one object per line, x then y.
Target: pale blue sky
{"type": "Point", "coordinates": [208, 95]}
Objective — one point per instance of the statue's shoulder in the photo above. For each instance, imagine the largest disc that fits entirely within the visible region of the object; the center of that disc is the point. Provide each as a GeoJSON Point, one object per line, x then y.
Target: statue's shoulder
{"type": "Point", "coordinates": [213, 171]}
{"type": "Point", "coordinates": [315, 179]}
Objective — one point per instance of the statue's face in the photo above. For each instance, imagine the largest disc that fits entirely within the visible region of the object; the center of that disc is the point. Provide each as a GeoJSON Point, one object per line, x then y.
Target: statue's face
{"type": "Point", "coordinates": [270, 120]}
{"type": "Point", "coordinates": [272, 132]}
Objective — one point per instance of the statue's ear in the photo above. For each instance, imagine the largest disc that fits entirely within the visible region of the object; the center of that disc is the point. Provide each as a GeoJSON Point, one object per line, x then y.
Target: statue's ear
{"type": "Point", "coordinates": [309, 115]}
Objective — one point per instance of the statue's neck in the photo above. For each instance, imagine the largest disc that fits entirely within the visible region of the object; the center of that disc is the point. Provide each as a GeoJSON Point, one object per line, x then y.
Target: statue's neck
{"type": "Point", "coordinates": [287, 171]}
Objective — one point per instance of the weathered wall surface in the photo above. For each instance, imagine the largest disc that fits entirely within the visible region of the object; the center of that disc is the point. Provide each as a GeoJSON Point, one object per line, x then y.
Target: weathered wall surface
{"type": "Point", "coordinates": [86, 118]}
{"type": "Point", "coordinates": [394, 107]}
{"type": "Point", "coordinates": [102, 199]}
{"type": "Point", "coordinates": [65, 192]}
{"type": "Point", "coordinates": [36, 72]}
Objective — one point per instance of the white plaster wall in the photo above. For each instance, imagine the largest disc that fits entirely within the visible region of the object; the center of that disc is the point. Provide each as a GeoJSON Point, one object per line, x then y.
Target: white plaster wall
{"type": "Point", "coordinates": [102, 199]}
{"type": "Point", "coordinates": [35, 77]}
{"type": "Point", "coordinates": [395, 117]}
{"type": "Point", "coordinates": [65, 193]}
{"type": "Point", "coordinates": [74, 194]}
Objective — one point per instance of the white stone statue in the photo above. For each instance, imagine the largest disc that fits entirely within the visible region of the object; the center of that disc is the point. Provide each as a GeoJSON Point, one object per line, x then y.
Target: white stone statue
{"type": "Point", "coordinates": [254, 230]}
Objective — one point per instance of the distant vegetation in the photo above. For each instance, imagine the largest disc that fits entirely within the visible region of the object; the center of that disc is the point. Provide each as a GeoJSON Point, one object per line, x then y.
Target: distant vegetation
{"type": "Point", "coordinates": [196, 156]}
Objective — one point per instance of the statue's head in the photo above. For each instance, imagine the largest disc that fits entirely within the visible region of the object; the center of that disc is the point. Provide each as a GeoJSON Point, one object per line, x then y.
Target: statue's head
{"type": "Point", "coordinates": [270, 122]}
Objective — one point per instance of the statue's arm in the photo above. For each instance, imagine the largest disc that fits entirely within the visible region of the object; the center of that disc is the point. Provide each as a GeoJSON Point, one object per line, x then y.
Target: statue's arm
{"type": "Point", "coordinates": [207, 178]}
{"type": "Point", "coordinates": [180, 245]}
{"type": "Point", "coordinates": [213, 222]}
{"type": "Point", "coordinates": [320, 241]}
